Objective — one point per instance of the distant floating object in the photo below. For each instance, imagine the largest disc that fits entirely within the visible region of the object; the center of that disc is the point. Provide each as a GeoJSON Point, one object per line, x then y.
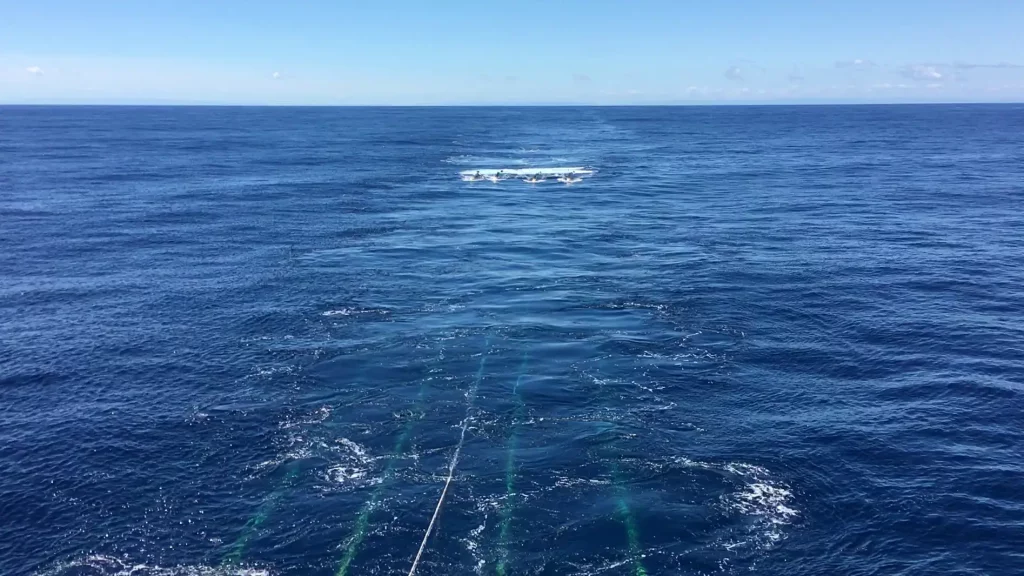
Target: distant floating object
{"type": "Point", "coordinates": [569, 175]}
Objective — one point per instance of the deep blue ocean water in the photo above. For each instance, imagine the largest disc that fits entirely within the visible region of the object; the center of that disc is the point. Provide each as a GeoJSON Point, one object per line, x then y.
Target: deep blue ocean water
{"type": "Point", "coordinates": [768, 340]}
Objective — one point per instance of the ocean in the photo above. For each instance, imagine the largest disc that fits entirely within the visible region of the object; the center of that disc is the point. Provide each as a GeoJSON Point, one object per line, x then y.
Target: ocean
{"type": "Point", "coordinates": [758, 340]}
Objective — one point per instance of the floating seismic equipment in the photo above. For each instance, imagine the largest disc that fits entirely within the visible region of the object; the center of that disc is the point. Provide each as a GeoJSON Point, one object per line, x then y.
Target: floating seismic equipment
{"type": "Point", "coordinates": [570, 175]}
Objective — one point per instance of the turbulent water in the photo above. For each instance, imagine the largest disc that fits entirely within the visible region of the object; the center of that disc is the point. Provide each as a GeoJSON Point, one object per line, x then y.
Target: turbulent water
{"type": "Point", "coordinates": [758, 340]}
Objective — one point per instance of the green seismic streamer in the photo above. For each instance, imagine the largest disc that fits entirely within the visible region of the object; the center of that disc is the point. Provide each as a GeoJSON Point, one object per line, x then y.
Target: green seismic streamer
{"type": "Point", "coordinates": [363, 521]}
{"type": "Point", "coordinates": [510, 472]}
{"type": "Point", "coordinates": [632, 533]}
{"type": "Point", "coordinates": [234, 555]}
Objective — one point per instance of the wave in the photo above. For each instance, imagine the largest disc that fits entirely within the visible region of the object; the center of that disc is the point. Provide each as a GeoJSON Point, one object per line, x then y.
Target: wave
{"type": "Point", "coordinates": [101, 565]}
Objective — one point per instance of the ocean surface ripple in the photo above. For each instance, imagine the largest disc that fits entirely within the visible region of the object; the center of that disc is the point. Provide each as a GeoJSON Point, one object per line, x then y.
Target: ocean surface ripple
{"type": "Point", "coordinates": [770, 340]}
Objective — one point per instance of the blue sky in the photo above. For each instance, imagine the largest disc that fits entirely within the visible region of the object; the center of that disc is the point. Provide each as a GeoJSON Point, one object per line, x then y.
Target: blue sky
{"type": "Point", "coordinates": [466, 52]}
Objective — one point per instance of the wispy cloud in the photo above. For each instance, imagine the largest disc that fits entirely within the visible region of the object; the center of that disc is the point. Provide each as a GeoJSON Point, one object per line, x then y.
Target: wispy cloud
{"type": "Point", "coordinates": [856, 64]}
{"type": "Point", "coordinates": [34, 70]}
{"type": "Point", "coordinates": [998, 65]}
{"type": "Point", "coordinates": [276, 75]}
{"type": "Point", "coordinates": [922, 72]}
{"type": "Point", "coordinates": [705, 93]}
{"type": "Point", "coordinates": [734, 73]}
{"type": "Point", "coordinates": [955, 72]}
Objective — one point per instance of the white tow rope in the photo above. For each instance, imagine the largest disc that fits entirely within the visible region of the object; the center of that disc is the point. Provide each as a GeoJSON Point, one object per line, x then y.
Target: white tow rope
{"type": "Point", "coordinates": [471, 397]}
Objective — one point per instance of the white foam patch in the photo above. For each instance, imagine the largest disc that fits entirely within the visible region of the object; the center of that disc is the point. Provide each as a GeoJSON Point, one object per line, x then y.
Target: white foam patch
{"type": "Point", "coordinates": [472, 543]}
{"type": "Point", "coordinates": [769, 503]}
{"type": "Point", "coordinates": [636, 305]}
{"type": "Point", "coordinates": [354, 448]}
{"type": "Point", "coordinates": [299, 442]}
{"type": "Point", "coordinates": [763, 499]}
{"type": "Point", "coordinates": [198, 416]}
{"type": "Point", "coordinates": [100, 565]}
{"type": "Point", "coordinates": [298, 445]}
{"type": "Point", "coordinates": [488, 504]}
{"type": "Point", "coordinates": [343, 474]}
{"type": "Point", "coordinates": [697, 357]}
{"type": "Point", "coordinates": [443, 307]}
{"type": "Point", "coordinates": [268, 371]}
{"type": "Point", "coordinates": [353, 465]}
{"type": "Point", "coordinates": [473, 160]}
{"type": "Point", "coordinates": [567, 482]}
{"type": "Point", "coordinates": [355, 312]}
{"type": "Point", "coordinates": [588, 569]}
{"type": "Point", "coordinates": [315, 417]}
{"type": "Point", "coordinates": [265, 464]}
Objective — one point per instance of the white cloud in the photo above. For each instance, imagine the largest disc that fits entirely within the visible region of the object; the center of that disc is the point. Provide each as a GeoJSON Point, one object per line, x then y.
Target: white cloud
{"type": "Point", "coordinates": [922, 72]}
{"type": "Point", "coordinates": [34, 70]}
{"type": "Point", "coordinates": [734, 73]}
{"type": "Point", "coordinates": [276, 75]}
{"type": "Point", "coordinates": [856, 63]}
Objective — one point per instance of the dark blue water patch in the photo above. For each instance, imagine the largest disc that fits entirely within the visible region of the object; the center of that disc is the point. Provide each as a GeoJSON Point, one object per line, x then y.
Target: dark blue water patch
{"type": "Point", "coordinates": [779, 340]}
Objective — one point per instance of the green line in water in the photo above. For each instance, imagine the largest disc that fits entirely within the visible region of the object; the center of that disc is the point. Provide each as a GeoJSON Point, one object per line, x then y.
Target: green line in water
{"type": "Point", "coordinates": [363, 521]}
{"type": "Point", "coordinates": [510, 473]}
{"type": "Point", "coordinates": [234, 555]}
{"type": "Point", "coordinates": [238, 548]}
{"type": "Point", "coordinates": [632, 533]}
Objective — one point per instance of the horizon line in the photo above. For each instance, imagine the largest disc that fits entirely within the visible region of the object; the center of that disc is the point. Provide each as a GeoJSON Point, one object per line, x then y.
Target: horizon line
{"type": "Point", "coordinates": [702, 104]}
